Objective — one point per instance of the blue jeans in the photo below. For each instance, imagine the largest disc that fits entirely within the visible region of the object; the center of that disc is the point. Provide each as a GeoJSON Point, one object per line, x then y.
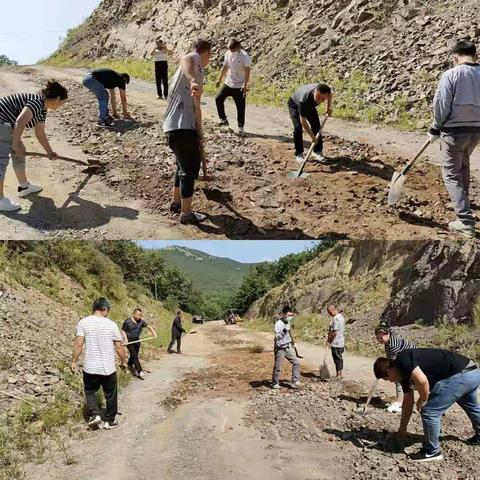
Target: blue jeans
{"type": "Point", "coordinates": [100, 92]}
{"type": "Point", "coordinates": [461, 388]}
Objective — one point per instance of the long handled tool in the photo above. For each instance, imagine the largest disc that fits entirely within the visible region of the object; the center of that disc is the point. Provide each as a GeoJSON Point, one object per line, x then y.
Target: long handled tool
{"type": "Point", "coordinates": [370, 396]}
{"type": "Point", "coordinates": [300, 173]}
{"type": "Point", "coordinates": [89, 163]}
{"type": "Point", "coordinates": [294, 346]}
{"type": "Point", "coordinates": [141, 340]}
{"type": "Point", "coordinates": [324, 371]}
{"type": "Point", "coordinates": [399, 178]}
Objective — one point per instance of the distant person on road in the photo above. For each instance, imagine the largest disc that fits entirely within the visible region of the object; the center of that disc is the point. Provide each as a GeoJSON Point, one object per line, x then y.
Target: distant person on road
{"type": "Point", "coordinates": [18, 112]}
{"type": "Point", "coordinates": [101, 339]}
{"type": "Point", "coordinates": [236, 71]}
{"type": "Point", "coordinates": [393, 346]}
{"type": "Point", "coordinates": [456, 109]}
{"type": "Point", "coordinates": [441, 379]}
{"type": "Point", "coordinates": [302, 106]}
{"type": "Point", "coordinates": [177, 330]}
{"type": "Point", "coordinates": [336, 338]}
{"type": "Point", "coordinates": [184, 129]}
{"type": "Point", "coordinates": [102, 81]}
{"type": "Point", "coordinates": [283, 349]}
{"type": "Point", "coordinates": [160, 56]}
{"type": "Point", "coordinates": [131, 330]}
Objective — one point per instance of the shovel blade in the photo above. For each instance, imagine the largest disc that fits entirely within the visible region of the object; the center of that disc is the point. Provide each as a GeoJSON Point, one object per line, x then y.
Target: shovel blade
{"type": "Point", "coordinates": [294, 174]}
{"type": "Point", "coordinates": [396, 188]}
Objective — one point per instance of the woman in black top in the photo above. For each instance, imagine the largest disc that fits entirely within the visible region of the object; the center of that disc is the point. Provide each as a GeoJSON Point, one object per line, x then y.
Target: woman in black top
{"type": "Point", "coordinates": [18, 112]}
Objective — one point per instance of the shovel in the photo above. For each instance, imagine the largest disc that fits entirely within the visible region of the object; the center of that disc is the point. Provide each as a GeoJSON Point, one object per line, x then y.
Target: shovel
{"type": "Point", "coordinates": [324, 371]}
{"type": "Point", "coordinates": [369, 399]}
{"type": "Point", "coordinates": [299, 173]}
{"type": "Point", "coordinates": [89, 163]}
{"type": "Point", "coordinates": [142, 340]}
{"type": "Point", "coordinates": [399, 178]}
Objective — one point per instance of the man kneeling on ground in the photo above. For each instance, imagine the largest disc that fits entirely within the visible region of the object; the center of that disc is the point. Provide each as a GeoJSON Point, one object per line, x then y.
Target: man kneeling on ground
{"type": "Point", "coordinates": [283, 348]}
{"type": "Point", "coordinates": [101, 338]}
{"type": "Point", "coordinates": [131, 330]}
{"type": "Point", "coordinates": [441, 379]}
{"type": "Point", "coordinates": [302, 106]}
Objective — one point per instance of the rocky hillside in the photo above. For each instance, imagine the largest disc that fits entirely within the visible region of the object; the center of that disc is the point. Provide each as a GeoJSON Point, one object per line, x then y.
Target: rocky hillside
{"type": "Point", "coordinates": [428, 285]}
{"type": "Point", "coordinates": [381, 50]}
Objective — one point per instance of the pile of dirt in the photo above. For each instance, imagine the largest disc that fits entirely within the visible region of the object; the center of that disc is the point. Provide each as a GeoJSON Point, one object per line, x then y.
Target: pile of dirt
{"type": "Point", "coordinates": [249, 194]}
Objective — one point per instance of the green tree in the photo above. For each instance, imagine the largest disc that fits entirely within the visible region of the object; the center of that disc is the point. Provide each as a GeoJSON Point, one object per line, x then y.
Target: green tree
{"type": "Point", "coordinates": [5, 61]}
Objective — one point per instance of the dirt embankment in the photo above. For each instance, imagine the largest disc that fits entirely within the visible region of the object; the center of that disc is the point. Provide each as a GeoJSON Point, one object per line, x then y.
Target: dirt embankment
{"type": "Point", "coordinates": [249, 194]}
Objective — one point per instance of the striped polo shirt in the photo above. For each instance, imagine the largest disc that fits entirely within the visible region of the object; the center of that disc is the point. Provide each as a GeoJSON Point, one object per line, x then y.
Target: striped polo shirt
{"type": "Point", "coordinates": [11, 107]}
{"type": "Point", "coordinates": [99, 334]}
{"type": "Point", "coordinates": [396, 345]}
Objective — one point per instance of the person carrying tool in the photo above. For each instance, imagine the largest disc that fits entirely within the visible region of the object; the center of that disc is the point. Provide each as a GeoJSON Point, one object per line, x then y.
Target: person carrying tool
{"type": "Point", "coordinates": [102, 81]}
{"type": "Point", "coordinates": [283, 349]}
{"type": "Point", "coordinates": [336, 338]}
{"type": "Point", "coordinates": [393, 346]}
{"type": "Point", "coordinates": [302, 107]}
{"type": "Point", "coordinates": [177, 330]}
{"type": "Point", "coordinates": [184, 129]}
{"type": "Point", "coordinates": [18, 112]}
{"type": "Point", "coordinates": [101, 339]}
{"type": "Point", "coordinates": [160, 55]}
{"type": "Point", "coordinates": [456, 111]}
{"type": "Point", "coordinates": [131, 330]}
{"type": "Point", "coordinates": [441, 379]}
{"type": "Point", "coordinates": [236, 70]}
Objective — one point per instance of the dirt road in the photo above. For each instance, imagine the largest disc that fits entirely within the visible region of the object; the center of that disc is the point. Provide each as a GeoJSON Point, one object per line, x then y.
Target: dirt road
{"type": "Point", "coordinates": [248, 194]}
{"type": "Point", "coordinates": [209, 414]}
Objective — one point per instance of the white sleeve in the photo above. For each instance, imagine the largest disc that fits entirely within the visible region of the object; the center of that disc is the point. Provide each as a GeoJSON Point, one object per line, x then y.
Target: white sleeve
{"type": "Point", "coordinates": [247, 61]}
{"type": "Point", "coordinates": [225, 60]}
{"type": "Point", "coordinates": [80, 329]}
{"type": "Point", "coordinates": [279, 326]}
{"type": "Point", "coordinates": [117, 337]}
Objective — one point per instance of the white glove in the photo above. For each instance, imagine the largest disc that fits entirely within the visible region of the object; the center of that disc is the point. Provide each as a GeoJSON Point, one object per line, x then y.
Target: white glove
{"type": "Point", "coordinates": [432, 138]}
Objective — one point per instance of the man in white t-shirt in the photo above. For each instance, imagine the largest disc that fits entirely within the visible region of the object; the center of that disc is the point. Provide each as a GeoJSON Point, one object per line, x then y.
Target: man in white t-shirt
{"type": "Point", "coordinates": [236, 71]}
{"type": "Point", "coordinates": [336, 338]}
{"type": "Point", "coordinates": [101, 338]}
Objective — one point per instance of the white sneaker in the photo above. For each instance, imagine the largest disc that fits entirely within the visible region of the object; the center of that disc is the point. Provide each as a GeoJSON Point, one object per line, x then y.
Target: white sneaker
{"type": "Point", "coordinates": [7, 205]}
{"type": "Point", "coordinates": [318, 157]}
{"type": "Point", "coordinates": [296, 384]}
{"type": "Point", "coordinates": [395, 407]}
{"type": "Point", "coordinates": [459, 227]}
{"type": "Point", "coordinates": [299, 159]}
{"type": "Point", "coordinates": [32, 188]}
{"type": "Point", "coordinates": [276, 386]}
{"type": "Point", "coordinates": [94, 422]}
{"type": "Point", "coordinates": [141, 375]}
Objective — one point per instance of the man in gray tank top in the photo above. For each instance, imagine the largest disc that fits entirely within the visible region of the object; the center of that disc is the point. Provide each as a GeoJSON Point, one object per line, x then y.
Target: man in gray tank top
{"type": "Point", "coordinates": [183, 127]}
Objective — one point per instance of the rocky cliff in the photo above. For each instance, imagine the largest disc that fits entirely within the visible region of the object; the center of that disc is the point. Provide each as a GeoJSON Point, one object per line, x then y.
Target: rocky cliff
{"type": "Point", "coordinates": [406, 283]}
{"type": "Point", "coordinates": [401, 46]}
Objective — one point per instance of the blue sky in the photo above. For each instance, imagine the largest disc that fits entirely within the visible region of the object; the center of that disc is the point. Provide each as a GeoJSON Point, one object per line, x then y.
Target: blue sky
{"type": "Point", "coordinates": [246, 251]}
{"type": "Point", "coordinates": [31, 29]}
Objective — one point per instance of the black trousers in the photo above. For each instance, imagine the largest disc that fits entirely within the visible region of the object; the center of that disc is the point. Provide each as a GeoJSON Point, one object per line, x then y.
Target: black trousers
{"type": "Point", "coordinates": [133, 359]}
{"type": "Point", "coordinates": [186, 148]}
{"type": "Point", "coordinates": [337, 355]}
{"type": "Point", "coordinates": [161, 77]}
{"type": "Point", "coordinates": [92, 384]}
{"type": "Point", "coordinates": [176, 338]}
{"type": "Point", "coordinates": [313, 120]}
{"type": "Point", "coordinates": [238, 98]}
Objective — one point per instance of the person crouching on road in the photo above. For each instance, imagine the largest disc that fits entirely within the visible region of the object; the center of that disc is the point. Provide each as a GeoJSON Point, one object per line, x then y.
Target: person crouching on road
{"type": "Point", "coordinates": [456, 122]}
{"type": "Point", "coordinates": [336, 338]}
{"type": "Point", "coordinates": [302, 107]}
{"type": "Point", "coordinates": [177, 330]}
{"type": "Point", "coordinates": [131, 330]}
{"type": "Point", "coordinates": [283, 349]}
{"type": "Point", "coordinates": [393, 346]}
{"type": "Point", "coordinates": [101, 339]}
{"type": "Point", "coordinates": [18, 112]}
{"type": "Point", "coordinates": [441, 379]}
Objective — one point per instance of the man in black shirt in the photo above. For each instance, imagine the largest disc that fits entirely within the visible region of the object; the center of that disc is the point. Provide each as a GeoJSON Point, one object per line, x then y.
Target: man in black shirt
{"type": "Point", "coordinates": [102, 81]}
{"type": "Point", "coordinates": [441, 378]}
{"type": "Point", "coordinates": [177, 330]}
{"type": "Point", "coordinates": [131, 330]}
{"type": "Point", "coordinates": [302, 106]}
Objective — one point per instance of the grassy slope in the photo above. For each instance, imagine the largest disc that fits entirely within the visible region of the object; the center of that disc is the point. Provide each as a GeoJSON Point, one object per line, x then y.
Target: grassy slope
{"type": "Point", "coordinates": [33, 428]}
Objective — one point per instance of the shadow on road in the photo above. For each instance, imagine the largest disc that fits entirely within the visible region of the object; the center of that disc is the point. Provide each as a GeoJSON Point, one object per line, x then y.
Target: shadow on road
{"type": "Point", "coordinates": [375, 402]}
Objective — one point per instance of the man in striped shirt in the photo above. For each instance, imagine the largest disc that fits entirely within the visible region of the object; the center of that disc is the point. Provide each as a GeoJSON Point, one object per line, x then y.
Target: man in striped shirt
{"type": "Point", "coordinates": [101, 338]}
{"type": "Point", "coordinates": [18, 112]}
{"type": "Point", "coordinates": [393, 346]}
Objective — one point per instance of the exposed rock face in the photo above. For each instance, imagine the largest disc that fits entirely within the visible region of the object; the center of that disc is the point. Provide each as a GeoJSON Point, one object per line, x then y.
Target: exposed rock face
{"type": "Point", "coordinates": [403, 282]}
{"type": "Point", "coordinates": [402, 45]}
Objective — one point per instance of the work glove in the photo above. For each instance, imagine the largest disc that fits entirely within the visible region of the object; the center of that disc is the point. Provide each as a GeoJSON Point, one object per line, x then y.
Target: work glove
{"type": "Point", "coordinates": [433, 137]}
